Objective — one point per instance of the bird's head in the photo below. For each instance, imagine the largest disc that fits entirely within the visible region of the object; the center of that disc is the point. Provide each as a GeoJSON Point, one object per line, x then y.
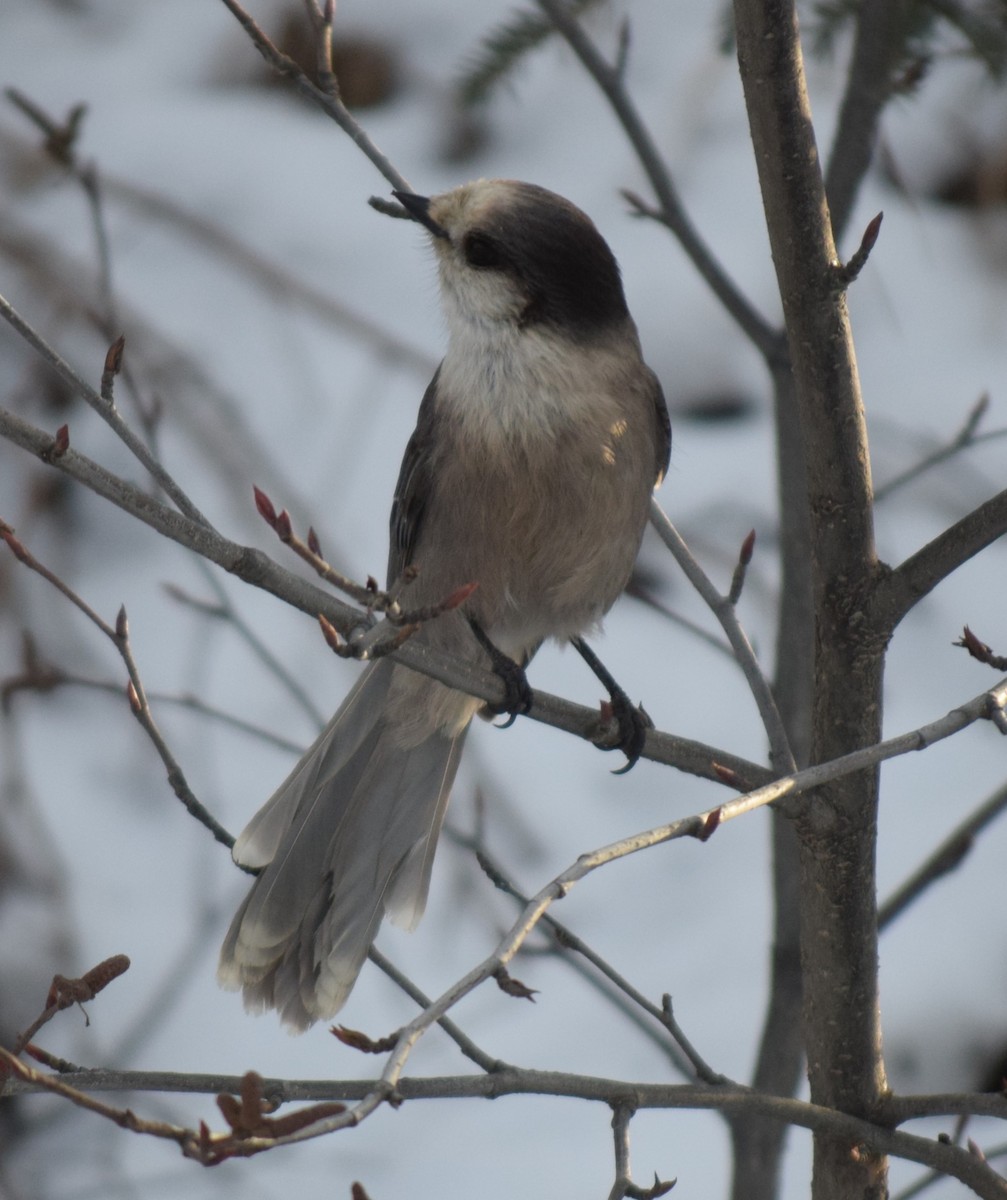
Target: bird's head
{"type": "Point", "coordinates": [516, 254]}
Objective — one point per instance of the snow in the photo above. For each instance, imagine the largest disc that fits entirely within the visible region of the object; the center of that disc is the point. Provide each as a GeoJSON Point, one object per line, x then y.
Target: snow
{"type": "Point", "coordinates": [286, 398]}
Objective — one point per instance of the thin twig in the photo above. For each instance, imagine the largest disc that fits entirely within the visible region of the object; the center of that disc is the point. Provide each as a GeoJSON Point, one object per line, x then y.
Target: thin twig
{"type": "Point", "coordinates": [258, 569]}
{"type": "Point", "coordinates": [723, 608]}
{"type": "Point", "coordinates": [954, 1161]}
{"type": "Point", "coordinates": [846, 273]}
{"type": "Point", "coordinates": [566, 939]}
{"type": "Point", "coordinates": [224, 610]}
{"type": "Point", "coordinates": [118, 635]}
{"type": "Point", "coordinates": [330, 104]}
{"type": "Point", "coordinates": [700, 826]}
{"type": "Point", "coordinates": [464, 1043]}
{"type": "Point", "coordinates": [671, 212]}
{"type": "Point", "coordinates": [946, 858]}
{"type": "Point", "coordinates": [46, 677]}
{"type": "Point", "coordinates": [65, 993]}
{"type": "Point", "coordinates": [107, 411]}
{"type": "Point", "coordinates": [966, 437]}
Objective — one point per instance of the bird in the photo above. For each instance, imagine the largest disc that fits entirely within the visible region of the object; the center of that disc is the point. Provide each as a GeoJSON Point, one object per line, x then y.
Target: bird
{"type": "Point", "coordinates": [538, 444]}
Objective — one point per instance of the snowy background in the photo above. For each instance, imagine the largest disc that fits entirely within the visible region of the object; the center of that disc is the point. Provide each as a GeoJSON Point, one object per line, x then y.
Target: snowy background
{"type": "Point", "coordinates": [261, 383]}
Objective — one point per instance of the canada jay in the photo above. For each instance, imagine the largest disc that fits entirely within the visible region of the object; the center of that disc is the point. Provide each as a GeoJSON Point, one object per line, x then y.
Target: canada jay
{"type": "Point", "coordinates": [537, 446]}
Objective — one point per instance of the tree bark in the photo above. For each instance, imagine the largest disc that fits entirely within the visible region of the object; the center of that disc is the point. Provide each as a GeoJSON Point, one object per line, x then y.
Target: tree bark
{"type": "Point", "coordinates": [836, 827]}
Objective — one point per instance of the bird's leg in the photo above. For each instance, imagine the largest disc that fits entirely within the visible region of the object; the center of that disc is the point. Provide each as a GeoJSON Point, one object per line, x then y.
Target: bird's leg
{"type": "Point", "coordinates": [632, 720]}
{"type": "Point", "coordinates": [517, 696]}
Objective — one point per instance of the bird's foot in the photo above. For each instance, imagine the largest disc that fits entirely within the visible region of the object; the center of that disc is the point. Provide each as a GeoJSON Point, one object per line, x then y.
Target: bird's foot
{"type": "Point", "coordinates": [517, 699]}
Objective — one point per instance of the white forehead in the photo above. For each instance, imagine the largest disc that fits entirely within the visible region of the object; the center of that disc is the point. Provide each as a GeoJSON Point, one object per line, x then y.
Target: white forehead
{"type": "Point", "coordinates": [468, 206]}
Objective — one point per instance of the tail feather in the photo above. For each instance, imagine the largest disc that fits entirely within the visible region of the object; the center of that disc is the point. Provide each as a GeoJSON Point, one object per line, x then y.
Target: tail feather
{"type": "Point", "coordinates": [349, 836]}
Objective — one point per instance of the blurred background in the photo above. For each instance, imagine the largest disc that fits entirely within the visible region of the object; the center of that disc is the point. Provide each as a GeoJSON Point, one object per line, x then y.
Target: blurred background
{"type": "Point", "coordinates": [280, 332]}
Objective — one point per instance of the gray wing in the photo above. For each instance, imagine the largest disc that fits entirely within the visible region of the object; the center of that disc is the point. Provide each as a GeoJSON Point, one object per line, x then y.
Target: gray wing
{"type": "Point", "coordinates": [413, 487]}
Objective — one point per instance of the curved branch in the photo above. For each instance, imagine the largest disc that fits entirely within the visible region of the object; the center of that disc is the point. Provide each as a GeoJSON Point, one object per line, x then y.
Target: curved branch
{"type": "Point", "coordinates": [725, 610]}
{"type": "Point", "coordinates": [898, 592]}
{"type": "Point", "coordinates": [869, 82]}
{"type": "Point", "coordinates": [327, 101]}
{"type": "Point", "coordinates": [256, 568]}
{"type": "Point", "coordinates": [955, 1161]}
{"type": "Point", "coordinates": [671, 211]}
{"type": "Point", "coordinates": [945, 859]}
{"type": "Point", "coordinates": [104, 407]}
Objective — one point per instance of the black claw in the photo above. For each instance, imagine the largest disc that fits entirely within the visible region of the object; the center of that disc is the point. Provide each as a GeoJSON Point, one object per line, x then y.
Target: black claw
{"type": "Point", "coordinates": [517, 691]}
{"type": "Point", "coordinates": [633, 724]}
{"type": "Point", "coordinates": [633, 721]}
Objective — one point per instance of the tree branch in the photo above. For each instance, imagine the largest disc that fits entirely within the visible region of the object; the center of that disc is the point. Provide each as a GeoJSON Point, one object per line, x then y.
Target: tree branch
{"type": "Point", "coordinates": [671, 212]}
{"type": "Point", "coordinates": [256, 568]}
{"type": "Point", "coordinates": [877, 46]}
{"type": "Point", "coordinates": [945, 859]}
{"type": "Point", "coordinates": [954, 1161]}
{"type": "Point", "coordinates": [724, 609]}
{"type": "Point", "coordinates": [327, 101]}
{"type": "Point", "coordinates": [837, 831]}
{"type": "Point", "coordinates": [897, 593]}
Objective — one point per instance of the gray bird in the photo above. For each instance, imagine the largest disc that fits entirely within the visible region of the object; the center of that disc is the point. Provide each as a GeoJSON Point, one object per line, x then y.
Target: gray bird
{"type": "Point", "coordinates": [538, 444]}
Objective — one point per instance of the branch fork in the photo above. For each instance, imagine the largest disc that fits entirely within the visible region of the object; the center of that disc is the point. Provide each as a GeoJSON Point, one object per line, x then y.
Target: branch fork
{"type": "Point", "coordinates": [369, 641]}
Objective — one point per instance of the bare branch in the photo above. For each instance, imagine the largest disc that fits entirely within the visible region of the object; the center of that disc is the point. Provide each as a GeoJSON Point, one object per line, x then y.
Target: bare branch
{"type": "Point", "coordinates": [138, 703]}
{"type": "Point", "coordinates": [723, 608]}
{"type": "Point", "coordinates": [698, 826]}
{"type": "Point", "coordinates": [256, 568]}
{"type": "Point", "coordinates": [903, 588]}
{"type": "Point", "coordinates": [953, 1161]}
{"type": "Point", "coordinates": [670, 211]}
{"type": "Point", "coordinates": [878, 43]}
{"type": "Point", "coordinates": [948, 856]}
{"type": "Point", "coordinates": [966, 437]}
{"type": "Point", "coordinates": [104, 408]}
{"type": "Point", "coordinates": [464, 1043]}
{"type": "Point", "coordinates": [567, 940]}
{"type": "Point", "coordinates": [330, 103]}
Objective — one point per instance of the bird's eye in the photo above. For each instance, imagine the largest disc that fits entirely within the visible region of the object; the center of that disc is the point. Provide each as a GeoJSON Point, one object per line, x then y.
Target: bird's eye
{"type": "Point", "coordinates": [482, 251]}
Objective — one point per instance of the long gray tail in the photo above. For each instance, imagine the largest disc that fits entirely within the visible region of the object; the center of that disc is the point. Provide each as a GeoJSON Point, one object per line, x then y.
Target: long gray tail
{"type": "Point", "coordinates": [348, 837]}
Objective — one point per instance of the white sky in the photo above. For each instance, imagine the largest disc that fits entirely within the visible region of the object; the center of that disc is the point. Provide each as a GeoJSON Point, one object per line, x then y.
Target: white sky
{"type": "Point", "coordinates": [321, 421]}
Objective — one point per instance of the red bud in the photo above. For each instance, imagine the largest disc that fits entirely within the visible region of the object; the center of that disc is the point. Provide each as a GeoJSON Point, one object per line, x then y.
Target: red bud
{"type": "Point", "coordinates": [330, 633]}
{"type": "Point", "coordinates": [265, 507]}
{"type": "Point", "coordinates": [747, 547]}
{"type": "Point", "coordinates": [113, 358]}
{"type": "Point", "coordinates": [710, 824]}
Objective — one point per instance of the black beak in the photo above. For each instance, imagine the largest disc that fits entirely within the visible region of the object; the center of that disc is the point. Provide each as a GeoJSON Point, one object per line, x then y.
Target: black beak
{"type": "Point", "coordinates": [418, 207]}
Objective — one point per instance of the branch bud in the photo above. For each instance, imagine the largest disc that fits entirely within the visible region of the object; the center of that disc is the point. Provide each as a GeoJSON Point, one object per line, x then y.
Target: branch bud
{"type": "Point", "coordinates": [265, 506]}
{"type": "Point", "coordinates": [330, 633]}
